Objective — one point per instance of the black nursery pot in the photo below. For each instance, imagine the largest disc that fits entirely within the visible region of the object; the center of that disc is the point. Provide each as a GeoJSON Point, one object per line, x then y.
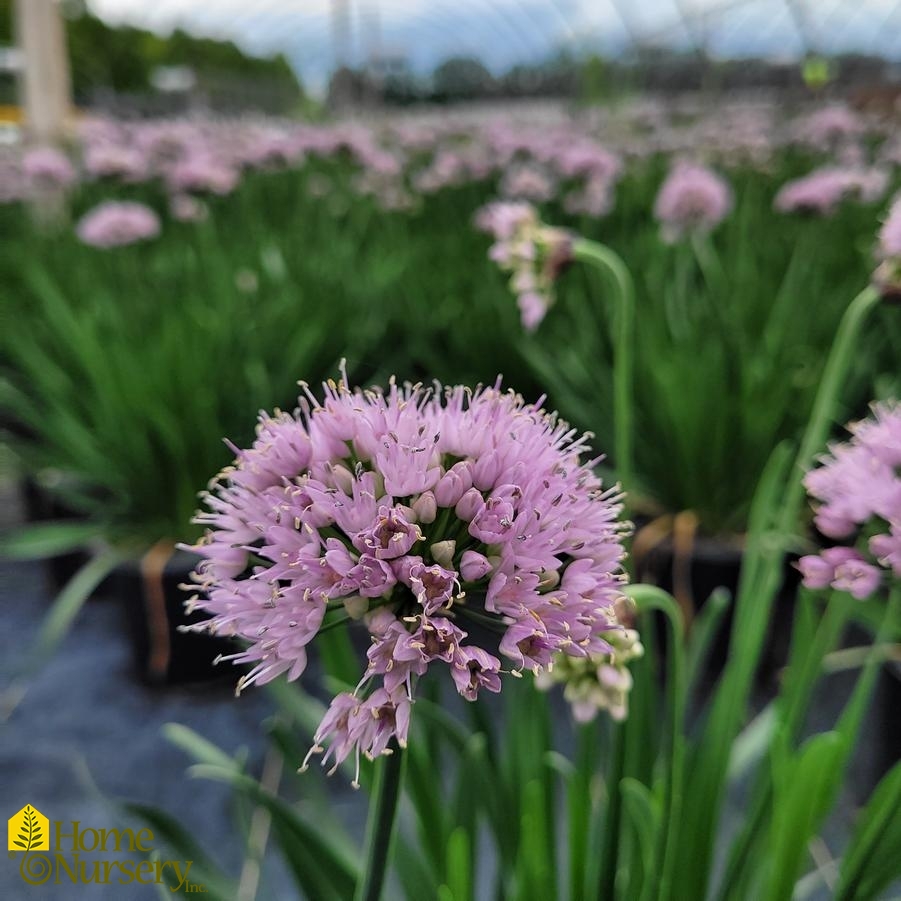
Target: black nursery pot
{"type": "Point", "coordinates": [882, 748]}
{"type": "Point", "coordinates": [154, 610]}
{"type": "Point", "coordinates": [41, 504]}
{"type": "Point", "coordinates": [714, 564]}
{"type": "Point", "coordinates": [887, 704]}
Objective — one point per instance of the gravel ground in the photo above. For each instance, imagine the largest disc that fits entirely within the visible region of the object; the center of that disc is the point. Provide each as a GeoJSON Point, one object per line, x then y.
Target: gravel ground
{"type": "Point", "coordinates": [87, 734]}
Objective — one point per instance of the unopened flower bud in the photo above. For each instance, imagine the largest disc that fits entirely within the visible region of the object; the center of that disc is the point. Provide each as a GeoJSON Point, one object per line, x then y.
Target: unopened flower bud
{"type": "Point", "coordinates": [443, 552]}
{"type": "Point", "coordinates": [344, 478]}
{"type": "Point", "coordinates": [468, 505]}
{"type": "Point", "coordinates": [425, 507]}
{"type": "Point", "coordinates": [549, 580]}
{"type": "Point", "coordinates": [453, 485]}
{"type": "Point", "coordinates": [474, 566]}
{"type": "Point", "coordinates": [486, 471]}
{"type": "Point", "coordinates": [356, 606]}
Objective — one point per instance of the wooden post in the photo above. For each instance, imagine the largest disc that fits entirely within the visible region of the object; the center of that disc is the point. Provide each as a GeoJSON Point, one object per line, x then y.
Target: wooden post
{"type": "Point", "coordinates": [44, 78]}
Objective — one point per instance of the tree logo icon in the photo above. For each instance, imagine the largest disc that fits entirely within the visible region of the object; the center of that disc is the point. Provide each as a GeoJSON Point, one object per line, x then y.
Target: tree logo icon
{"type": "Point", "coordinates": [28, 830]}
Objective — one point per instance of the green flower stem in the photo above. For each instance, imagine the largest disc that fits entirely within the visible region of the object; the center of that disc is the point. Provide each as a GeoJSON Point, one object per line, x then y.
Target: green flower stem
{"type": "Point", "coordinates": [765, 581]}
{"type": "Point", "coordinates": [709, 263]}
{"type": "Point", "coordinates": [380, 827]}
{"type": "Point", "coordinates": [648, 598]}
{"type": "Point", "coordinates": [834, 376]}
{"type": "Point", "coordinates": [611, 264]}
{"type": "Point", "coordinates": [610, 837]}
{"type": "Point", "coordinates": [804, 671]}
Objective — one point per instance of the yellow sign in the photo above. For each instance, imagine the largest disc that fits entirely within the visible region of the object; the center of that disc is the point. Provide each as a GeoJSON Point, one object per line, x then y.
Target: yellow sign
{"type": "Point", "coordinates": [28, 830]}
{"type": "Point", "coordinates": [82, 855]}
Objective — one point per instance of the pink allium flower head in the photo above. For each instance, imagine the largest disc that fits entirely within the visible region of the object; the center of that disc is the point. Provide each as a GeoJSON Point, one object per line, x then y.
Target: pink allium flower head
{"type": "Point", "coordinates": [824, 189]}
{"type": "Point", "coordinates": [532, 252]}
{"type": "Point", "coordinates": [203, 172]}
{"type": "Point", "coordinates": [48, 167]}
{"type": "Point", "coordinates": [857, 492]}
{"type": "Point", "coordinates": [320, 522]}
{"type": "Point", "coordinates": [692, 199]}
{"type": "Point", "coordinates": [107, 159]}
{"type": "Point", "coordinates": [113, 224]}
{"type": "Point", "coordinates": [828, 126]}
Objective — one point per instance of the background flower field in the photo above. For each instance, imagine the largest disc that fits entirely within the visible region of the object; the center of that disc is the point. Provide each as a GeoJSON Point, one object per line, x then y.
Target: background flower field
{"type": "Point", "coordinates": [394, 203]}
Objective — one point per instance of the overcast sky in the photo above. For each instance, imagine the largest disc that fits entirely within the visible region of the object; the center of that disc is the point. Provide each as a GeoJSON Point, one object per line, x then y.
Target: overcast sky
{"type": "Point", "coordinates": [503, 32]}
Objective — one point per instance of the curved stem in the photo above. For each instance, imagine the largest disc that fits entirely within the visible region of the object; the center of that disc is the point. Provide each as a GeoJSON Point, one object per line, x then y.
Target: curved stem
{"type": "Point", "coordinates": [833, 379]}
{"type": "Point", "coordinates": [767, 569]}
{"type": "Point", "coordinates": [611, 263]}
{"type": "Point", "coordinates": [380, 827]}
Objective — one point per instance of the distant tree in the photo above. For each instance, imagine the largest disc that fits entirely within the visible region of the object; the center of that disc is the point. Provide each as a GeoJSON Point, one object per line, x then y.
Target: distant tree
{"type": "Point", "coordinates": [462, 78]}
{"type": "Point", "coordinates": [123, 58]}
{"type": "Point", "coordinates": [401, 89]}
{"type": "Point", "coordinates": [350, 87]}
{"type": "Point", "coordinates": [6, 21]}
{"type": "Point", "coordinates": [594, 79]}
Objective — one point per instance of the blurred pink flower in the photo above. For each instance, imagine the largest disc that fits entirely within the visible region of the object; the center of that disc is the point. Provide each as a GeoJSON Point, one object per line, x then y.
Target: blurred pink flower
{"type": "Point", "coordinates": [114, 224]}
{"type": "Point", "coordinates": [858, 496]}
{"type": "Point", "coordinates": [824, 189]}
{"type": "Point", "coordinates": [693, 198]}
{"type": "Point", "coordinates": [48, 167]}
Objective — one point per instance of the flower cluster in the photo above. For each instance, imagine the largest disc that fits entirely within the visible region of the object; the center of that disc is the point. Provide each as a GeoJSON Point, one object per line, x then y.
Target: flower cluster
{"type": "Point", "coordinates": [534, 254]}
{"type": "Point", "coordinates": [828, 127]}
{"type": "Point", "coordinates": [692, 199]}
{"type": "Point", "coordinates": [47, 167]}
{"type": "Point", "coordinates": [858, 489]}
{"type": "Point", "coordinates": [116, 223]}
{"type": "Point", "coordinates": [598, 681]}
{"type": "Point", "coordinates": [821, 191]}
{"type": "Point", "coordinates": [415, 511]}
